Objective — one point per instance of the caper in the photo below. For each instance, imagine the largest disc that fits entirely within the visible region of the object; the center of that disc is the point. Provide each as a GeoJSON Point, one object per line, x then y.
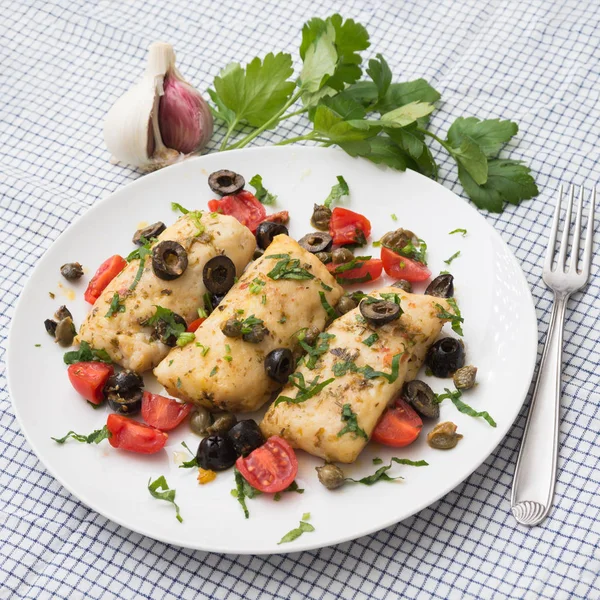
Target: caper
{"type": "Point", "coordinates": [320, 217]}
{"type": "Point", "coordinates": [65, 332]}
{"type": "Point", "coordinates": [443, 436]}
{"type": "Point", "coordinates": [232, 328]}
{"type": "Point", "coordinates": [71, 271]}
{"type": "Point", "coordinates": [403, 285]}
{"type": "Point", "coordinates": [222, 423]}
{"type": "Point", "coordinates": [311, 335]}
{"type": "Point", "coordinates": [345, 305]}
{"type": "Point", "coordinates": [324, 257]}
{"type": "Point", "coordinates": [464, 378]}
{"type": "Point", "coordinates": [200, 420]}
{"type": "Point", "coordinates": [62, 313]}
{"type": "Point", "coordinates": [331, 476]}
{"type": "Point", "coordinates": [341, 255]}
{"type": "Point", "coordinates": [256, 334]}
{"type": "Point", "coordinates": [398, 239]}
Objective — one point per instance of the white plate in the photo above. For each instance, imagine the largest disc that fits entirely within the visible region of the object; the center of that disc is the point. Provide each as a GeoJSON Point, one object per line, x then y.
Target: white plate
{"type": "Point", "coordinates": [500, 334]}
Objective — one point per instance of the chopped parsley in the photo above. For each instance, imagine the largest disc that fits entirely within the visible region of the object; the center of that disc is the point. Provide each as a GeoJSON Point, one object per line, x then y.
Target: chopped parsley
{"type": "Point", "coordinates": [394, 217]}
{"type": "Point", "coordinates": [288, 268]}
{"type": "Point", "coordinates": [337, 191]}
{"type": "Point", "coordinates": [178, 383]}
{"type": "Point", "coordinates": [177, 206]}
{"type": "Point", "coordinates": [185, 338]}
{"type": "Point", "coordinates": [305, 391]}
{"type": "Point", "coordinates": [462, 407]}
{"type": "Point", "coordinates": [381, 473]}
{"type": "Point", "coordinates": [283, 319]}
{"type": "Point", "coordinates": [326, 287]}
{"type": "Point", "coordinates": [304, 527]}
{"type": "Point", "coordinates": [262, 194]}
{"type": "Point", "coordinates": [249, 322]}
{"type": "Point", "coordinates": [414, 251]}
{"type": "Point", "coordinates": [202, 313]}
{"type": "Point", "coordinates": [456, 318]}
{"type": "Point", "coordinates": [315, 352]}
{"type": "Point", "coordinates": [167, 316]}
{"type": "Point", "coordinates": [167, 494]}
{"type": "Point", "coordinates": [355, 263]}
{"type": "Point", "coordinates": [115, 306]}
{"type": "Point", "coordinates": [256, 285]}
{"type": "Point", "coordinates": [455, 255]}
{"type": "Point", "coordinates": [242, 491]}
{"type": "Point", "coordinates": [350, 419]}
{"type": "Point", "coordinates": [228, 356]}
{"type": "Point", "coordinates": [461, 231]}
{"type": "Point", "coordinates": [205, 349]}
{"type": "Point", "coordinates": [392, 297]}
{"type": "Point", "coordinates": [263, 300]}
{"type": "Point", "coordinates": [370, 340]}
{"type": "Point", "coordinates": [331, 312]}
{"type": "Point", "coordinates": [86, 354]}
{"type": "Point", "coordinates": [340, 368]}
{"type": "Point", "coordinates": [189, 464]}
{"type": "Point", "coordinates": [93, 438]}
{"type": "Point", "coordinates": [208, 307]}
{"type": "Point", "coordinates": [140, 253]}
{"type": "Point", "coordinates": [214, 371]}
{"type": "Point", "coordinates": [377, 461]}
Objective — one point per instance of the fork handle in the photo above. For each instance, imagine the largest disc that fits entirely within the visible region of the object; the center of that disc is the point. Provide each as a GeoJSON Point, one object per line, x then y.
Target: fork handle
{"type": "Point", "coordinates": [535, 473]}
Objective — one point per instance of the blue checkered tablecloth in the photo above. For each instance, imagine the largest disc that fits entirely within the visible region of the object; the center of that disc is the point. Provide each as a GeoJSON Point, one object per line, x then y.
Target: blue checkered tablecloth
{"type": "Point", "coordinates": [537, 62]}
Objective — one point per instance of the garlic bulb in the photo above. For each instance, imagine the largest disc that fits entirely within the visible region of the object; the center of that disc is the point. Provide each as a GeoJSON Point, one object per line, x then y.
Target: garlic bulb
{"type": "Point", "coordinates": [160, 119]}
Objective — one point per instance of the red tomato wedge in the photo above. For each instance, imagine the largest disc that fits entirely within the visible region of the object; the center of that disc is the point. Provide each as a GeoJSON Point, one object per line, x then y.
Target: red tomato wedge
{"type": "Point", "coordinates": [106, 272]}
{"type": "Point", "coordinates": [283, 216]}
{"type": "Point", "coordinates": [195, 324]}
{"type": "Point", "coordinates": [89, 378]}
{"type": "Point", "coordinates": [348, 227]}
{"type": "Point", "coordinates": [400, 267]}
{"type": "Point", "coordinates": [399, 426]}
{"type": "Point", "coordinates": [370, 270]}
{"type": "Point", "coordinates": [130, 435]}
{"type": "Point", "coordinates": [163, 413]}
{"type": "Point", "coordinates": [270, 468]}
{"type": "Point", "coordinates": [244, 206]}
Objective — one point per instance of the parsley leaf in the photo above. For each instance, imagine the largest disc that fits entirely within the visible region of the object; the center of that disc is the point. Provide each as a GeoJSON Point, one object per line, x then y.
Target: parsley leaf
{"type": "Point", "coordinates": [93, 438]}
{"type": "Point", "coordinates": [177, 206]}
{"type": "Point", "coordinates": [456, 318]}
{"type": "Point", "coordinates": [455, 255]}
{"type": "Point", "coordinates": [255, 94]}
{"type": "Point", "coordinates": [115, 306]}
{"type": "Point", "coordinates": [381, 473]}
{"type": "Point", "coordinates": [337, 191]}
{"type": "Point", "coordinates": [165, 315]}
{"type": "Point", "coordinates": [242, 491]}
{"type": "Point", "coordinates": [490, 135]}
{"type": "Point", "coordinates": [331, 312]}
{"type": "Point", "coordinates": [407, 114]}
{"type": "Point", "coordinates": [185, 338]}
{"type": "Point", "coordinates": [263, 195]}
{"type": "Point", "coordinates": [380, 73]}
{"type": "Point", "coordinates": [167, 494]}
{"type": "Point", "coordinates": [315, 352]}
{"type": "Point", "coordinates": [288, 268]}
{"type": "Point", "coordinates": [86, 354]}
{"type": "Point", "coordinates": [461, 231]}
{"type": "Point", "coordinates": [189, 464]}
{"type": "Point", "coordinates": [350, 419]}
{"type": "Point", "coordinates": [305, 392]}
{"type": "Point", "coordinates": [370, 340]}
{"type": "Point", "coordinates": [304, 527]}
{"type": "Point", "coordinates": [464, 408]}
{"type": "Point", "coordinates": [400, 94]}
{"type": "Point", "coordinates": [470, 158]}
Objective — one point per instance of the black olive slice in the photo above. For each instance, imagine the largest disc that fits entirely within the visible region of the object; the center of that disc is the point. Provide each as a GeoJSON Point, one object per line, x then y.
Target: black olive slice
{"type": "Point", "coordinates": [445, 357]}
{"type": "Point", "coordinates": [124, 382]}
{"type": "Point", "coordinates": [50, 326]}
{"type": "Point", "coordinates": [280, 364]}
{"type": "Point", "coordinates": [246, 436]}
{"type": "Point", "coordinates": [219, 274]}
{"type": "Point", "coordinates": [152, 231]}
{"type": "Point", "coordinates": [169, 260]}
{"type": "Point", "coordinates": [421, 397]}
{"type": "Point", "coordinates": [216, 453]}
{"type": "Point", "coordinates": [163, 332]}
{"type": "Point", "coordinates": [266, 231]}
{"type": "Point", "coordinates": [226, 182]}
{"type": "Point", "coordinates": [317, 241]}
{"type": "Point", "coordinates": [380, 312]}
{"type": "Point", "coordinates": [125, 405]}
{"type": "Point", "coordinates": [441, 287]}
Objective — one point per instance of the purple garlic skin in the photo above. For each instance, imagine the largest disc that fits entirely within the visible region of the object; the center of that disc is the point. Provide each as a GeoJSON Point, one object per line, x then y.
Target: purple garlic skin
{"type": "Point", "coordinates": [185, 120]}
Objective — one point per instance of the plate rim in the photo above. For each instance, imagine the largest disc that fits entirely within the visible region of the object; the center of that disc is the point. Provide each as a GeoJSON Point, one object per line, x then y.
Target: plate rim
{"type": "Point", "coordinates": [107, 514]}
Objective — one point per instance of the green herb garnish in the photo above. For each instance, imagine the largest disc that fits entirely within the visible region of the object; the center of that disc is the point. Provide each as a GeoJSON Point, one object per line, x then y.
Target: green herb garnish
{"type": "Point", "coordinates": [350, 419]}
{"type": "Point", "coordinates": [167, 494]}
{"type": "Point", "coordinates": [331, 312]}
{"type": "Point", "coordinates": [177, 206]}
{"type": "Point", "coordinates": [214, 371]}
{"type": "Point", "coordinates": [93, 438]}
{"type": "Point", "coordinates": [263, 195]}
{"type": "Point", "coordinates": [304, 527]}
{"type": "Point", "coordinates": [370, 340]}
{"type": "Point", "coordinates": [394, 217]}
{"type": "Point", "coordinates": [337, 191]}
{"type": "Point", "coordinates": [242, 491]}
{"type": "Point", "coordinates": [165, 315]}
{"type": "Point", "coordinates": [377, 461]}
{"type": "Point", "coordinates": [86, 354]}
{"type": "Point", "coordinates": [189, 464]}
{"type": "Point", "coordinates": [205, 349]}
{"type": "Point", "coordinates": [455, 255]}
{"type": "Point", "coordinates": [456, 318]}
{"type": "Point", "coordinates": [305, 391]}
{"type": "Point", "coordinates": [249, 322]}
{"type": "Point", "coordinates": [340, 368]}
{"type": "Point", "coordinates": [115, 306]}
{"type": "Point", "coordinates": [256, 285]}
{"type": "Point", "coordinates": [462, 407]}
{"type": "Point", "coordinates": [185, 338]}
{"type": "Point", "coordinates": [326, 287]}
{"type": "Point", "coordinates": [461, 231]}
{"type": "Point", "coordinates": [315, 352]}
{"type": "Point", "coordinates": [381, 473]}
{"type": "Point", "coordinates": [288, 268]}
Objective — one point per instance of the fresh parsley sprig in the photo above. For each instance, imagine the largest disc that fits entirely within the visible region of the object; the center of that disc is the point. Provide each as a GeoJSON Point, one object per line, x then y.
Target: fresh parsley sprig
{"type": "Point", "coordinates": [86, 354]}
{"type": "Point", "coordinates": [166, 494]}
{"type": "Point", "coordinates": [337, 191]}
{"type": "Point", "coordinates": [350, 420]}
{"type": "Point", "coordinates": [93, 438]}
{"type": "Point", "coordinates": [381, 474]}
{"type": "Point", "coordinates": [462, 407]}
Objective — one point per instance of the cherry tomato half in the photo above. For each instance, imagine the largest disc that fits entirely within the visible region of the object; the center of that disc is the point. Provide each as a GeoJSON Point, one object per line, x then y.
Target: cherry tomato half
{"type": "Point", "coordinates": [400, 267]}
{"type": "Point", "coordinates": [369, 271]}
{"type": "Point", "coordinates": [195, 324]}
{"type": "Point", "coordinates": [163, 413]}
{"type": "Point", "coordinates": [348, 227]}
{"type": "Point", "coordinates": [244, 206]}
{"type": "Point", "coordinates": [270, 468]}
{"type": "Point", "coordinates": [106, 272]}
{"type": "Point", "coordinates": [399, 426]}
{"type": "Point", "coordinates": [89, 378]}
{"type": "Point", "coordinates": [130, 435]}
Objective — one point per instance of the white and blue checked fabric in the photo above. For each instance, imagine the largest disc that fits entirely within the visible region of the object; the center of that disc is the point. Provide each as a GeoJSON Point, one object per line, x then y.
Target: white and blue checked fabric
{"type": "Point", "coordinates": [535, 61]}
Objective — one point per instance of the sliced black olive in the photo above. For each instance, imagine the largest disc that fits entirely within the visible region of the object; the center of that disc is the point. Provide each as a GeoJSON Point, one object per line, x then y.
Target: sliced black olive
{"type": "Point", "coordinates": [246, 437]}
{"type": "Point", "coordinates": [256, 335]}
{"type": "Point", "coordinates": [421, 397]}
{"type": "Point", "coordinates": [71, 271]}
{"type": "Point", "coordinates": [346, 304]}
{"type": "Point", "coordinates": [280, 364]}
{"type": "Point", "coordinates": [321, 217]}
{"type": "Point", "coordinates": [317, 241]}
{"type": "Point", "coordinates": [125, 405]}
{"type": "Point", "coordinates": [232, 328]}
{"type": "Point", "coordinates": [380, 312]}
{"type": "Point", "coordinates": [216, 453]}
{"type": "Point", "coordinates": [441, 287]}
{"type": "Point", "coordinates": [152, 231]}
{"type": "Point", "coordinates": [226, 182]}
{"type": "Point", "coordinates": [50, 326]}
{"type": "Point", "coordinates": [62, 313]}
{"type": "Point", "coordinates": [403, 285]}
{"type": "Point", "coordinates": [219, 274]}
{"type": "Point", "coordinates": [216, 299]}
{"type": "Point", "coordinates": [445, 356]}
{"type": "Point", "coordinates": [169, 260]}
{"type": "Point", "coordinates": [162, 330]}
{"type": "Point", "coordinates": [124, 382]}
{"type": "Point", "coordinates": [341, 255]}
{"type": "Point", "coordinates": [65, 332]}
{"type": "Point", "coordinates": [266, 231]}
{"type": "Point", "coordinates": [257, 253]}
{"type": "Point", "coordinates": [222, 423]}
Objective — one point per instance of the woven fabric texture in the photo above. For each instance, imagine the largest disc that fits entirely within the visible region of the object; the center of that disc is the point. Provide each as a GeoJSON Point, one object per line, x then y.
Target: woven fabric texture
{"type": "Point", "coordinates": [534, 61]}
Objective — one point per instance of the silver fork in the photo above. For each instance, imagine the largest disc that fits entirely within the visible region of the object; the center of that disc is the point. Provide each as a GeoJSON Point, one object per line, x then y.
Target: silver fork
{"type": "Point", "coordinates": [535, 473]}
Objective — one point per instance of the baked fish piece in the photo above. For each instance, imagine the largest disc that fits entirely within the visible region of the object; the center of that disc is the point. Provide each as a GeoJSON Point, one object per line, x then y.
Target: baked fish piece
{"type": "Point", "coordinates": [284, 291]}
{"type": "Point", "coordinates": [123, 335]}
{"type": "Point", "coordinates": [351, 375]}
